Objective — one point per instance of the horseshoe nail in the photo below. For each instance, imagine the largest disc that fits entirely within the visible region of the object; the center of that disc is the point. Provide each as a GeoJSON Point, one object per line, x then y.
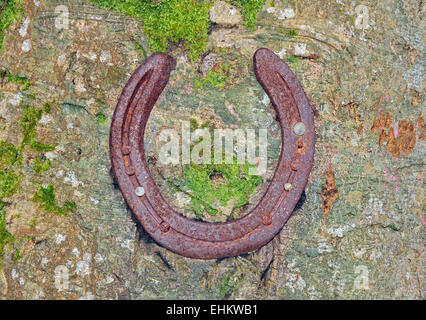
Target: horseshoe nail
{"type": "Point", "coordinates": [212, 240]}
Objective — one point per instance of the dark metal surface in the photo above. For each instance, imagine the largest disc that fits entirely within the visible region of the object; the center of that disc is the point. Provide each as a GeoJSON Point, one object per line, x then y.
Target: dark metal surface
{"type": "Point", "coordinates": [211, 240]}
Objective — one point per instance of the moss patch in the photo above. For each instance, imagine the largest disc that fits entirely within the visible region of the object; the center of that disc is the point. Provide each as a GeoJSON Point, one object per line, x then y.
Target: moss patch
{"type": "Point", "coordinates": [202, 181]}
{"type": "Point", "coordinates": [22, 80]}
{"type": "Point", "coordinates": [100, 118]}
{"type": "Point", "coordinates": [6, 238]}
{"type": "Point", "coordinates": [9, 183]}
{"type": "Point", "coordinates": [38, 146]}
{"type": "Point", "coordinates": [214, 78]}
{"type": "Point", "coordinates": [9, 154]}
{"type": "Point", "coordinates": [11, 171]}
{"type": "Point", "coordinates": [41, 165]}
{"type": "Point", "coordinates": [46, 196]}
{"type": "Point", "coordinates": [291, 33]}
{"type": "Point", "coordinates": [171, 20]}
{"type": "Point", "coordinates": [293, 60]}
{"type": "Point", "coordinates": [10, 11]}
{"type": "Point", "coordinates": [30, 118]}
{"type": "Point", "coordinates": [249, 10]}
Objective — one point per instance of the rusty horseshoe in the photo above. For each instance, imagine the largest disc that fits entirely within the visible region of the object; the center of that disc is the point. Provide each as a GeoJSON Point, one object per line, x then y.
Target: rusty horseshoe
{"type": "Point", "coordinates": [200, 239]}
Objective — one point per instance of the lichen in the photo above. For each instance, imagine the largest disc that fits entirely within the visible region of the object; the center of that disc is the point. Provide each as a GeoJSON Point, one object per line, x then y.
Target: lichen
{"type": "Point", "coordinates": [10, 11]}
{"type": "Point", "coordinates": [171, 20]}
{"type": "Point", "coordinates": [47, 198]}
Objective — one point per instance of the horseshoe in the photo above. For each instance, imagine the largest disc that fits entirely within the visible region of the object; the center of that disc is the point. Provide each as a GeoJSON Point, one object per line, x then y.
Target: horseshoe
{"type": "Point", "coordinates": [203, 240]}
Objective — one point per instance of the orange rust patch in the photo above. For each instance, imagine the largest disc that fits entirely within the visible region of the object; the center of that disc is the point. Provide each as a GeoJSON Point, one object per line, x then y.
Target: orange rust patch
{"type": "Point", "coordinates": [384, 121]}
{"type": "Point", "coordinates": [403, 140]}
{"type": "Point", "coordinates": [415, 98]}
{"type": "Point", "coordinates": [329, 192]}
{"type": "Point", "coordinates": [421, 124]}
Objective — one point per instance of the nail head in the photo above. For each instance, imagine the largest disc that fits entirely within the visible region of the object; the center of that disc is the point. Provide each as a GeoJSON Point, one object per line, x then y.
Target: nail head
{"type": "Point", "coordinates": [299, 128]}
{"type": "Point", "coordinates": [140, 191]}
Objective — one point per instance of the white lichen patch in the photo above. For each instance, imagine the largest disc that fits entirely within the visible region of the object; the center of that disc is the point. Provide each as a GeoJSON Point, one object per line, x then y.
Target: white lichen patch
{"type": "Point", "coordinates": [91, 56]}
{"type": "Point", "coordinates": [71, 178]}
{"type": "Point", "coordinates": [61, 59]}
{"type": "Point", "coordinates": [15, 100]}
{"type": "Point", "coordinates": [105, 57]}
{"type": "Point", "coordinates": [24, 27]}
{"type": "Point", "coordinates": [83, 266]}
{"type": "Point", "coordinates": [265, 100]}
{"type": "Point", "coordinates": [286, 13]}
{"type": "Point", "coordinates": [26, 45]}
{"type": "Point", "coordinates": [14, 274]}
{"type": "Point", "coordinates": [79, 86]}
{"type": "Point", "coordinates": [93, 200]}
{"type": "Point", "coordinates": [126, 243]}
{"type": "Point", "coordinates": [340, 231]}
{"type": "Point", "coordinates": [59, 238]}
{"type": "Point", "coordinates": [45, 118]}
{"type": "Point", "coordinates": [300, 50]}
{"type": "Point", "coordinates": [98, 258]}
{"type": "Point", "coordinates": [282, 53]}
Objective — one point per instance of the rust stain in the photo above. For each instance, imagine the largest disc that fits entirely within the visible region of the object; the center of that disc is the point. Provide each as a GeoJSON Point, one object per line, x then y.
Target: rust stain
{"type": "Point", "coordinates": [401, 140]}
{"type": "Point", "coordinates": [415, 98]}
{"type": "Point", "coordinates": [421, 125]}
{"type": "Point", "coordinates": [360, 129]}
{"type": "Point", "coordinates": [329, 192]}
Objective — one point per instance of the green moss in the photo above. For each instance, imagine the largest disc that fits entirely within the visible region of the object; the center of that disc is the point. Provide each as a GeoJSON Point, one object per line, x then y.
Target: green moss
{"type": "Point", "coordinates": [6, 238]}
{"type": "Point", "coordinates": [237, 185]}
{"type": "Point", "coordinates": [41, 165]}
{"type": "Point", "coordinates": [168, 20]}
{"type": "Point", "coordinates": [216, 79]}
{"type": "Point", "coordinates": [229, 284]}
{"type": "Point", "coordinates": [291, 33]}
{"type": "Point", "coordinates": [293, 60]}
{"type": "Point", "coordinates": [9, 154]}
{"type": "Point", "coordinates": [22, 80]}
{"type": "Point", "coordinates": [10, 11]}
{"type": "Point", "coordinates": [9, 183]}
{"type": "Point", "coordinates": [140, 49]}
{"type": "Point", "coordinates": [100, 118]}
{"type": "Point", "coordinates": [38, 146]}
{"type": "Point", "coordinates": [47, 108]}
{"type": "Point", "coordinates": [193, 124]}
{"type": "Point", "coordinates": [32, 223]}
{"type": "Point", "coordinates": [46, 196]}
{"type": "Point", "coordinates": [30, 118]}
{"type": "Point", "coordinates": [249, 10]}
